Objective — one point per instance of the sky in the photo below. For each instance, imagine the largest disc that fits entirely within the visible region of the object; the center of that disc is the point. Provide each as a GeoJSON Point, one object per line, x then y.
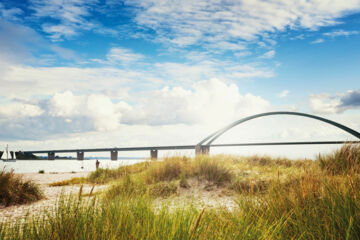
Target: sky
{"type": "Point", "coordinates": [106, 73]}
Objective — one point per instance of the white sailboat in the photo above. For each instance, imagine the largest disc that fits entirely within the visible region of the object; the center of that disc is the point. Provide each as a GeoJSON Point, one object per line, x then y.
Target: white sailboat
{"type": "Point", "coordinates": [6, 156]}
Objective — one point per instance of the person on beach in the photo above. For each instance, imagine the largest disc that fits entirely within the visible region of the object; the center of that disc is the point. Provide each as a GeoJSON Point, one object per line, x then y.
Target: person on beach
{"type": "Point", "coordinates": [97, 164]}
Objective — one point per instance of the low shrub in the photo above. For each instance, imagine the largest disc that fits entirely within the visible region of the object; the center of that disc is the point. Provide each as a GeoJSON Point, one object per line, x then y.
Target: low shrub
{"type": "Point", "coordinates": [15, 190]}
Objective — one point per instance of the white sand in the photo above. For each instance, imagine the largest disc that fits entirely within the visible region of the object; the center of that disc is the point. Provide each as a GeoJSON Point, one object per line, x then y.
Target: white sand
{"type": "Point", "coordinates": [51, 194]}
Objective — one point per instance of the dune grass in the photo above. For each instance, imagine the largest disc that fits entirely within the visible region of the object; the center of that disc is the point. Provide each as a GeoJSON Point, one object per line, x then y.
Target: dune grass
{"type": "Point", "coordinates": [15, 190]}
{"type": "Point", "coordinates": [346, 160]}
{"type": "Point", "coordinates": [309, 204]}
{"type": "Point", "coordinates": [275, 199]}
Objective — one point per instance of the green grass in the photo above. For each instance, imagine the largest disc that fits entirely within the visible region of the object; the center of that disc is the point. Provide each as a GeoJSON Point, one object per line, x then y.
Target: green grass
{"type": "Point", "coordinates": [15, 190]}
{"type": "Point", "coordinates": [275, 199]}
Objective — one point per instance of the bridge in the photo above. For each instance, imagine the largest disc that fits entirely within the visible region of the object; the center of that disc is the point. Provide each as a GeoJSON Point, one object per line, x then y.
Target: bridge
{"type": "Point", "coordinates": [203, 147]}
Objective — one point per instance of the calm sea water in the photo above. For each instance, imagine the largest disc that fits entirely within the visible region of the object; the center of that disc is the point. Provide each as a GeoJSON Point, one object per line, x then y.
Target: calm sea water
{"type": "Point", "coordinates": [28, 166]}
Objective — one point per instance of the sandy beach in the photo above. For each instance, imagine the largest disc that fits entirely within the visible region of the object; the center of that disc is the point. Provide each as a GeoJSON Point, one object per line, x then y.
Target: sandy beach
{"type": "Point", "coordinates": [51, 194]}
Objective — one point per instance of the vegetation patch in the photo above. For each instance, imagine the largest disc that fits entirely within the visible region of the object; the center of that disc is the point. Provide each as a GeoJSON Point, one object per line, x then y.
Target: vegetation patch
{"type": "Point", "coordinates": [166, 170]}
{"type": "Point", "coordinates": [15, 190]}
{"type": "Point", "coordinates": [104, 175]}
{"type": "Point", "coordinates": [162, 189]}
{"type": "Point", "coordinates": [126, 187]}
{"type": "Point", "coordinates": [249, 186]}
{"type": "Point", "coordinates": [274, 200]}
{"type": "Point", "coordinates": [346, 160]}
{"type": "Point", "coordinates": [212, 170]}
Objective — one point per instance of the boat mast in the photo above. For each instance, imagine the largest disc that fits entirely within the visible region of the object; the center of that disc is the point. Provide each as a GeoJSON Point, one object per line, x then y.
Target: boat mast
{"type": "Point", "coordinates": [7, 152]}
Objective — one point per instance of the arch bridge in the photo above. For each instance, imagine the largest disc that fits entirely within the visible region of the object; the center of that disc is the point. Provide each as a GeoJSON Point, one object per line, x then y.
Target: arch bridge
{"type": "Point", "coordinates": [203, 147]}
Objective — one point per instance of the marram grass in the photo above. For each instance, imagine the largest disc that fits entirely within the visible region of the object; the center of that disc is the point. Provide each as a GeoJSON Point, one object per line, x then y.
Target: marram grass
{"type": "Point", "coordinates": [295, 200]}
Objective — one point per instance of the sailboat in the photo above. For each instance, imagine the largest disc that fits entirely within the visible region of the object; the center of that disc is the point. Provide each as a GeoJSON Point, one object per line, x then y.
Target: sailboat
{"type": "Point", "coordinates": [6, 154]}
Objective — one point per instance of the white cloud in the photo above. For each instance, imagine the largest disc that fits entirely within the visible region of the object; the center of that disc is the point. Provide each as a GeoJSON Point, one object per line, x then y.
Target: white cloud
{"type": "Point", "coordinates": [269, 54]}
{"type": "Point", "coordinates": [99, 109]}
{"type": "Point", "coordinates": [234, 21]}
{"type": "Point", "coordinates": [45, 81]}
{"type": "Point", "coordinates": [317, 41]}
{"type": "Point", "coordinates": [19, 110]}
{"type": "Point", "coordinates": [70, 15]}
{"type": "Point", "coordinates": [122, 55]}
{"type": "Point", "coordinates": [325, 103]}
{"type": "Point", "coordinates": [210, 102]}
{"type": "Point", "coordinates": [65, 105]}
{"type": "Point", "coordinates": [340, 32]}
{"type": "Point", "coordinates": [284, 93]}
{"type": "Point", "coordinates": [57, 32]}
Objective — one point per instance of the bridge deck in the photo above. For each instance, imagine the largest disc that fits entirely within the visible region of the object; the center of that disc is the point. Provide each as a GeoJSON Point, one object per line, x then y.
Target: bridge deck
{"type": "Point", "coordinates": [187, 147]}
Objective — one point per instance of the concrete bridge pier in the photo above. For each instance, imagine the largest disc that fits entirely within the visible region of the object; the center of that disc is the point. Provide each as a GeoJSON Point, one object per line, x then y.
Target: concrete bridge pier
{"type": "Point", "coordinates": [51, 156]}
{"type": "Point", "coordinates": [80, 155]}
{"type": "Point", "coordinates": [114, 155]}
{"type": "Point", "coordinates": [202, 150]}
{"type": "Point", "coordinates": [154, 154]}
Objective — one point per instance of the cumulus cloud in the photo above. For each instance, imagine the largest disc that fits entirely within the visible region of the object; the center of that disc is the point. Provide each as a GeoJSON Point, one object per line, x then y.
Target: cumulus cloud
{"type": "Point", "coordinates": [207, 102]}
{"type": "Point", "coordinates": [97, 108]}
{"type": "Point", "coordinates": [325, 103]}
{"type": "Point", "coordinates": [211, 102]}
{"type": "Point", "coordinates": [190, 22]}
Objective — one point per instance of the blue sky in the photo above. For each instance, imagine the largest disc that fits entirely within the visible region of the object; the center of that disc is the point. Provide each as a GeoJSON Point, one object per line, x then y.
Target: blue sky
{"type": "Point", "coordinates": [92, 70]}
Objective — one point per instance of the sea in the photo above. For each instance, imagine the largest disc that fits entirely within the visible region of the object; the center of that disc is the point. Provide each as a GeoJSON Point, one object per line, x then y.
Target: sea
{"type": "Point", "coordinates": [64, 165]}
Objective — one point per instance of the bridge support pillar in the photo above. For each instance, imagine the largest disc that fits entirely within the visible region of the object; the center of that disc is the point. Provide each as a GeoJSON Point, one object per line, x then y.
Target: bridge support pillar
{"type": "Point", "coordinates": [114, 155]}
{"type": "Point", "coordinates": [51, 156]}
{"type": "Point", "coordinates": [80, 155]}
{"type": "Point", "coordinates": [154, 154]}
{"type": "Point", "coordinates": [202, 150]}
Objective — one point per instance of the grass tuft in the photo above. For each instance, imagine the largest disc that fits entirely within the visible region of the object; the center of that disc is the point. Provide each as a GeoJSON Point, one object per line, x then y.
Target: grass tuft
{"type": "Point", "coordinates": [166, 170]}
{"type": "Point", "coordinates": [15, 190]}
{"type": "Point", "coordinates": [212, 170]}
{"type": "Point", "coordinates": [345, 161]}
{"type": "Point", "coordinates": [162, 189]}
